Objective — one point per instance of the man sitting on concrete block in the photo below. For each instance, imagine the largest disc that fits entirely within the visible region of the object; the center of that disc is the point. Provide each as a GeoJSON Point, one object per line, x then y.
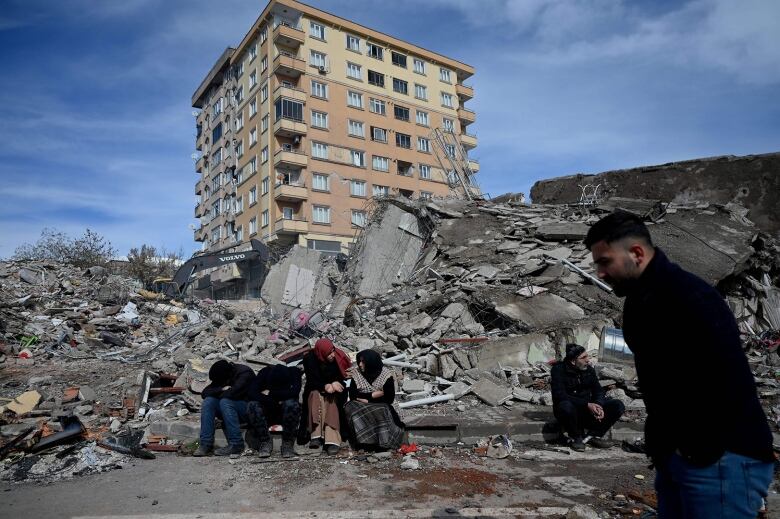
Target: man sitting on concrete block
{"type": "Point", "coordinates": [274, 401]}
{"type": "Point", "coordinates": [225, 398]}
{"type": "Point", "coordinates": [579, 401]}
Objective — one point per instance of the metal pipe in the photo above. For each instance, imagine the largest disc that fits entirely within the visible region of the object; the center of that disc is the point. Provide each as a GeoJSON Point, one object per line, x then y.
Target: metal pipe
{"type": "Point", "coordinates": [596, 281]}
{"type": "Point", "coordinates": [400, 364]}
{"type": "Point", "coordinates": [426, 401]}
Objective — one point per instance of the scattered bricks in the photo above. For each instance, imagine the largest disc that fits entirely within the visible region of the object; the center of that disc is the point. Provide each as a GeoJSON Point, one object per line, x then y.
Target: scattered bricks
{"type": "Point", "coordinates": [490, 392]}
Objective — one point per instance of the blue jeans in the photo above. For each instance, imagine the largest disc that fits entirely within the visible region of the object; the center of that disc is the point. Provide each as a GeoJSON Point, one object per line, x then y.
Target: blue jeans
{"type": "Point", "coordinates": [730, 488]}
{"type": "Point", "coordinates": [230, 411]}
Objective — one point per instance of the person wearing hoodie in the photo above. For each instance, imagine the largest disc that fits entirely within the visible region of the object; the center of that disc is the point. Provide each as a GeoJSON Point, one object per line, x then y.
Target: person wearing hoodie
{"type": "Point", "coordinates": [274, 401]}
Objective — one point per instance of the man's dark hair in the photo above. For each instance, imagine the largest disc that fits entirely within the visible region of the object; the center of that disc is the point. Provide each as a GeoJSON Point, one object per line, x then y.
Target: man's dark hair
{"type": "Point", "coordinates": [616, 226]}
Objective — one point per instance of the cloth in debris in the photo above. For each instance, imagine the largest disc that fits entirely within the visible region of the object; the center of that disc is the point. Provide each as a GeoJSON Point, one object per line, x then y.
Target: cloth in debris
{"type": "Point", "coordinates": [323, 347]}
{"type": "Point", "coordinates": [697, 385]}
{"type": "Point", "coordinates": [236, 377]}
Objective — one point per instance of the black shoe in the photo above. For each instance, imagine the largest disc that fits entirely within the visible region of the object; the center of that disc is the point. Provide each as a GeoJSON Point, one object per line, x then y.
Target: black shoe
{"type": "Point", "coordinates": [288, 449]}
{"type": "Point", "coordinates": [576, 444]}
{"type": "Point", "coordinates": [599, 443]}
{"type": "Point", "coordinates": [230, 450]}
{"type": "Point", "coordinates": [264, 449]}
{"type": "Point", "coordinates": [203, 451]}
{"type": "Point", "coordinates": [315, 443]}
{"type": "Point", "coordinates": [332, 450]}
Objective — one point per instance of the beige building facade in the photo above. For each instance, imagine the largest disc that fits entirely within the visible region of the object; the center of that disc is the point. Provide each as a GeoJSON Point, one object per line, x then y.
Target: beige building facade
{"type": "Point", "coordinates": [312, 116]}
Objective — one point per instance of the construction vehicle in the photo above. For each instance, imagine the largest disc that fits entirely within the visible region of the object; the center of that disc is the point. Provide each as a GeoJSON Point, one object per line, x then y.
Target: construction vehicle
{"type": "Point", "coordinates": [177, 286]}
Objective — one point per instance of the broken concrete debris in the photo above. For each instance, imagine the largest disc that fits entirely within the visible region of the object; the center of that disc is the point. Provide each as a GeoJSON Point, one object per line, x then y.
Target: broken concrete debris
{"type": "Point", "coordinates": [469, 303]}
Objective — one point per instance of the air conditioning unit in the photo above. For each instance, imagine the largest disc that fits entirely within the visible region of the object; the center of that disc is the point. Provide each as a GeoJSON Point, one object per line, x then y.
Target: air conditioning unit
{"type": "Point", "coordinates": [323, 69]}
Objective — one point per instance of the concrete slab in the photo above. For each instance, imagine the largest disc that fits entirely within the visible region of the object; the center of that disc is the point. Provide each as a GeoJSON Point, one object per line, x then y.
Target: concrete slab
{"type": "Point", "coordinates": [562, 231]}
{"type": "Point", "coordinates": [539, 311]}
{"type": "Point", "coordinates": [512, 351]}
{"type": "Point", "coordinates": [490, 392]}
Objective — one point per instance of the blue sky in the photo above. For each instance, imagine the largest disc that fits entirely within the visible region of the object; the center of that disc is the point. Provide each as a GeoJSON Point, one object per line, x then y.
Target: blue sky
{"type": "Point", "coordinates": [96, 129]}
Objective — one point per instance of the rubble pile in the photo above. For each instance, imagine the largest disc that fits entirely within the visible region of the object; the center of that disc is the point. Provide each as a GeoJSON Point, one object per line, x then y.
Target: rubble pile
{"type": "Point", "coordinates": [469, 302]}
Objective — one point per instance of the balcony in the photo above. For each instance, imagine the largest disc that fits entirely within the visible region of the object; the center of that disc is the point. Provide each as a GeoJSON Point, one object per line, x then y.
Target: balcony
{"type": "Point", "coordinates": [286, 127]}
{"type": "Point", "coordinates": [291, 226]}
{"type": "Point", "coordinates": [290, 192]}
{"type": "Point", "coordinates": [466, 116]}
{"type": "Point", "coordinates": [293, 93]}
{"type": "Point", "coordinates": [289, 36]}
{"type": "Point", "coordinates": [201, 234]}
{"type": "Point", "coordinates": [290, 159]}
{"type": "Point", "coordinates": [468, 140]}
{"type": "Point", "coordinates": [201, 164]}
{"type": "Point", "coordinates": [464, 92]}
{"type": "Point", "coordinates": [288, 65]}
{"type": "Point", "coordinates": [474, 165]}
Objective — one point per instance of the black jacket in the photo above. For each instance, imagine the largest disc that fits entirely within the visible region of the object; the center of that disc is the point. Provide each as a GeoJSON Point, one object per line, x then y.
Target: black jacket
{"type": "Point", "coordinates": [695, 379]}
{"type": "Point", "coordinates": [239, 383]}
{"type": "Point", "coordinates": [580, 387]}
{"type": "Point", "coordinates": [282, 382]}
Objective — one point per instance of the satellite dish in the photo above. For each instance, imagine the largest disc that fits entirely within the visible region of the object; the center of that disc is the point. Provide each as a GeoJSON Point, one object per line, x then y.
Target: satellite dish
{"type": "Point", "coordinates": [194, 156]}
{"type": "Point", "coordinates": [191, 226]}
{"type": "Point", "coordinates": [195, 113]}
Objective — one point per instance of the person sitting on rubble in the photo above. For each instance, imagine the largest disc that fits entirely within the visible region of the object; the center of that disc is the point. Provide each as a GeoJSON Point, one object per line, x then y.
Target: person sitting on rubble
{"type": "Point", "coordinates": [325, 394]}
{"type": "Point", "coordinates": [274, 401]}
{"type": "Point", "coordinates": [225, 398]}
{"type": "Point", "coordinates": [373, 421]}
{"type": "Point", "coordinates": [579, 401]}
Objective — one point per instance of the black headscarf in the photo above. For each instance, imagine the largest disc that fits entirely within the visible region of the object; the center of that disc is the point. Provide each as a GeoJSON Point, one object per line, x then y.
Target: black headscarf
{"type": "Point", "coordinates": [373, 362]}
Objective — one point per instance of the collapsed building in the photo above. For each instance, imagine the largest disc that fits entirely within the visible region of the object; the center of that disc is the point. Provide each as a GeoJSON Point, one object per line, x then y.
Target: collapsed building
{"type": "Point", "coordinates": [469, 301]}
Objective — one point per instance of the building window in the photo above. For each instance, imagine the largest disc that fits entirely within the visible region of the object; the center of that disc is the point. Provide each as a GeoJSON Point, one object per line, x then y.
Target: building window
{"type": "Point", "coordinates": [375, 51]}
{"type": "Point", "coordinates": [264, 185]}
{"type": "Point", "coordinates": [264, 218]}
{"type": "Point", "coordinates": [317, 31]}
{"type": "Point", "coordinates": [446, 100]}
{"type": "Point", "coordinates": [318, 59]}
{"type": "Point", "coordinates": [379, 191]}
{"type": "Point", "coordinates": [449, 149]}
{"type": "Point", "coordinates": [358, 158]}
{"type": "Point", "coordinates": [422, 118]}
{"type": "Point", "coordinates": [253, 165]}
{"type": "Point", "coordinates": [216, 133]}
{"type": "Point", "coordinates": [240, 149]}
{"type": "Point", "coordinates": [420, 92]}
{"type": "Point", "coordinates": [264, 155]}
{"type": "Point", "coordinates": [239, 176]}
{"type": "Point", "coordinates": [216, 158]}
{"type": "Point", "coordinates": [400, 86]}
{"type": "Point", "coordinates": [253, 52]}
{"type": "Point", "coordinates": [239, 94]}
{"type": "Point", "coordinates": [425, 171]}
{"type": "Point", "coordinates": [357, 188]}
{"type": "Point", "coordinates": [216, 108]}
{"type": "Point", "coordinates": [354, 99]}
{"type": "Point", "coordinates": [252, 79]}
{"type": "Point", "coordinates": [215, 235]}
{"type": "Point", "coordinates": [253, 195]}
{"type": "Point", "coordinates": [419, 66]}
{"type": "Point", "coordinates": [252, 225]}
{"type": "Point", "coordinates": [448, 124]}
{"type": "Point", "coordinates": [253, 136]}
{"type": "Point", "coordinates": [239, 234]}
{"type": "Point", "coordinates": [423, 144]}
{"type": "Point", "coordinates": [375, 78]}
{"type": "Point", "coordinates": [319, 150]}
{"type": "Point", "coordinates": [238, 204]}
{"type": "Point", "coordinates": [355, 129]}
{"type": "Point", "coordinates": [264, 92]}
{"type": "Point", "coordinates": [401, 113]}
{"type": "Point", "coordinates": [288, 213]}
{"type": "Point", "coordinates": [444, 75]}
{"type": "Point", "coordinates": [319, 89]}
{"type": "Point", "coordinates": [402, 140]}
{"type": "Point", "coordinates": [240, 70]}
{"type": "Point", "coordinates": [263, 34]}
{"type": "Point", "coordinates": [252, 107]}
{"type": "Point", "coordinates": [398, 59]}
{"type": "Point", "coordinates": [380, 163]}
{"type": "Point", "coordinates": [264, 64]}
{"type": "Point", "coordinates": [320, 182]}
{"type": "Point", "coordinates": [353, 71]}
{"type": "Point", "coordinates": [377, 106]}
{"type": "Point", "coordinates": [320, 214]}
{"type": "Point", "coordinates": [319, 119]}
{"type": "Point", "coordinates": [378, 134]}
{"type": "Point", "coordinates": [264, 123]}
{"type": "Point", "coordinates": [239, 121]}
{"type": "Point", "coordinates": [353, 43]}
{"type": "Point", "coordinates": [358, 218]}
{"type": "Point", "coordinates": [426, 195]}
{"type": "Point", "coordinates": [289, 109]}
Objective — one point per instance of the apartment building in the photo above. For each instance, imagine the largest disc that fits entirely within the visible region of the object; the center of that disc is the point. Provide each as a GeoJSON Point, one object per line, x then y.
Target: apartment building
{"type": "Point", "coordinates": [310, 117]}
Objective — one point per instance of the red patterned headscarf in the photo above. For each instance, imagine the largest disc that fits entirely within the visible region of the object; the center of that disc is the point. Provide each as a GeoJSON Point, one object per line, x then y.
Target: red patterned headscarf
{"type": "Point", "coordinates": [322, 349]}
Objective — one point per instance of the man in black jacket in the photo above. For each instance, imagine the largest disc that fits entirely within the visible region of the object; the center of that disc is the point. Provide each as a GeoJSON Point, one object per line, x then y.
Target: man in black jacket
{"type": "Point", "coordinates": [706, 431]}
{"type": "Point", "coordinates": [226, 398]}
{"type": "Point", "coordinates": [579, 401]}
{"type": "Point", "coordinates": [274, 401]}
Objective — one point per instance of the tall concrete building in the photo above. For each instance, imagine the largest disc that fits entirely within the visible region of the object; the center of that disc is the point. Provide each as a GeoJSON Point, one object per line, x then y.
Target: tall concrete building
{"type": "Point", "coordinates": [310, 117]}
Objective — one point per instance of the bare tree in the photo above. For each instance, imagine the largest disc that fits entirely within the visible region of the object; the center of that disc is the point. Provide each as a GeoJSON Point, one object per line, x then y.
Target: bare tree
{"type": "Point", "coordinates": [147, 263]}
{"type": "Point", "coordinates": [86, 251]}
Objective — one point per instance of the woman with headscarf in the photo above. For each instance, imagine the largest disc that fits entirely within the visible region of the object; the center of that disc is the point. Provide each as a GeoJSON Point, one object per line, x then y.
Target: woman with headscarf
{"type": "Point", "coordinates": [325, 394]}
{"type": "Point", "coordinates": [372, 419]}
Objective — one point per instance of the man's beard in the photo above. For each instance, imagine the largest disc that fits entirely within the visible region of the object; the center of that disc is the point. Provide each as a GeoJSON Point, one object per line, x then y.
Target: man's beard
{"type": "Point", "coordinates": [628, 283]}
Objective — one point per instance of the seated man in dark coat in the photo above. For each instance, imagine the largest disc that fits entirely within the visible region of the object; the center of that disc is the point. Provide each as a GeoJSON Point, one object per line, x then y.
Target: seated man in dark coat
{"type": "Point", "coordinates": [579, 402]}
{"type": "Point", "coordinates": [274, 400]}
{"type": "Point", "coordinates": [226, 398]}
